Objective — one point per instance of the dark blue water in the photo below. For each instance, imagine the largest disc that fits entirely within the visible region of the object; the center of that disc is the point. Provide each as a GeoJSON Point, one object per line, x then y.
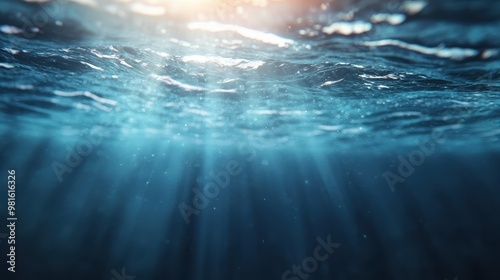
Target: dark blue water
{"type": "Point", "coordinates": [225, 140]}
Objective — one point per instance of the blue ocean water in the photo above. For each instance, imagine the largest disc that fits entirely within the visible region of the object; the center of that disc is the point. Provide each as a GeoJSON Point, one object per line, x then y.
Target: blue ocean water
{"type": "Point", "coordinates": [225, 140]}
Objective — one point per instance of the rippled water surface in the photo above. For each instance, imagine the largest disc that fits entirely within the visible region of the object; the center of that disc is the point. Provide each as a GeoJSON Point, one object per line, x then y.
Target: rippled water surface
{"type": "Point", "coordinates": [366, 74]}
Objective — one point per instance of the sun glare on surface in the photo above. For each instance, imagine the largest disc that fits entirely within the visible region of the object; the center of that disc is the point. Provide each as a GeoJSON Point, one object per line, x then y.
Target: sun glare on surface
{"type": "Point", "coordinates": [193, 8]}
{"type": "Point", "coordinates": [184, 8]}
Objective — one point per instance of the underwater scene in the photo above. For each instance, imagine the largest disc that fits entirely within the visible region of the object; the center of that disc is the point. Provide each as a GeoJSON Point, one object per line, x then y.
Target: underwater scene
{"type": "Point", "coordinates": [250, 139]}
